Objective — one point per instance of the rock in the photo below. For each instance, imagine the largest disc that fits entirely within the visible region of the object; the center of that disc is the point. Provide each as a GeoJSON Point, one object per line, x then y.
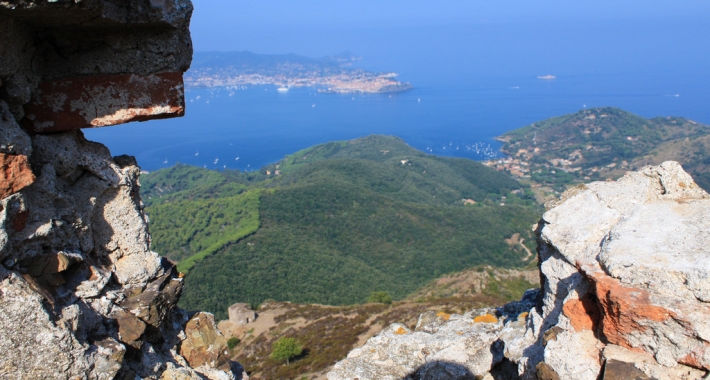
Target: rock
{"type": "Point", "coordinates": [620, 261]}
{"type": "Point", "coordinates": [204, 343]}
{"type": "Point", "coordinates": [545, 372]}
{"type": "Point", "coordinates": [648, 365]}
{"type": "Point", "coordinates": [50, 264]}
{"type": "Point", "coordinates": [153, 304]}
{"type": "Point", "coordinates": [109, 358]}
{"type": "Point", "coordinates": [616, 370]}
{"type": "Point", "coordinates": [443, 346]}
{"type": "Point", "coordinates": [179, 374]}
{"type": "Point", "coordinates": [229, 329]}
{"type": "Point", "coordinates": [130, 328]}
{"type": "Point", "coordinates": [13, 140]}
{"type": "Point", "coordinates": [33, 346]}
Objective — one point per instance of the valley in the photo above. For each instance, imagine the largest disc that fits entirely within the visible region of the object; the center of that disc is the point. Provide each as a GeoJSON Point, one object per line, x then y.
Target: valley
{"type": "Point", "coordinates": [338, 221]}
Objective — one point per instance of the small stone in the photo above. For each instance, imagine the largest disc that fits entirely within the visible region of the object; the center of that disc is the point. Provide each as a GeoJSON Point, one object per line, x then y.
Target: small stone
{"type": "Point", "coordinates": [551, 334]}
{"type": "Point", "coordinates": [618, 370]}
{"type": "Point", "coordinates": [130, 328]}
{"type": "Point", "coordinates": [545, 372]}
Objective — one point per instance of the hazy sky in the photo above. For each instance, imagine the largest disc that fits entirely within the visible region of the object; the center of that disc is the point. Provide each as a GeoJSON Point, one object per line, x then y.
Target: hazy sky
{"type": "Point", "coordinates": [306, 26]}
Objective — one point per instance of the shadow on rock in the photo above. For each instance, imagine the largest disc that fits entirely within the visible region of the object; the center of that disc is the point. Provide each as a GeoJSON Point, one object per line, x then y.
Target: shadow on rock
{"type": "Point", "coordinates": [442, 370]}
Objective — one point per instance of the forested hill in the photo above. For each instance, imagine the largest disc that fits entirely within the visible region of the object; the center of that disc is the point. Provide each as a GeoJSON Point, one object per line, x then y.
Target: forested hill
{"type": "Point", "coordinates": [601, 143]}
{"type": "Point", "coordinates": [333, 223]}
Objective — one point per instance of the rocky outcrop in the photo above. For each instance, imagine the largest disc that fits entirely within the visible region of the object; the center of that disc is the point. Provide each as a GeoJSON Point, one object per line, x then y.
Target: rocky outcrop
{"type": "Point", "coordinates": [204, 344]}
{"type": "Point", "coordinates": [82, 295]}
{"type": "Point", "coordinates": [624, 269]}
{"type": "Point", "coordinates": [78, 277]}
{"type": "Point", "coordinates": [441, 346]}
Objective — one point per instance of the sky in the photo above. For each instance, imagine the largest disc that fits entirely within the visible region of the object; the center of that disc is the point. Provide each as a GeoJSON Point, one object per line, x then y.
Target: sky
{"type": "Point", "coordinates": [317, 27]}
{"type": "Point", "coordinates": [479, 60]}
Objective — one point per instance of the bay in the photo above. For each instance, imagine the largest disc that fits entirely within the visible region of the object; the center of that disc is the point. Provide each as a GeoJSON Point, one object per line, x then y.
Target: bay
{"type": "Point", "coordinates": [471, 84]}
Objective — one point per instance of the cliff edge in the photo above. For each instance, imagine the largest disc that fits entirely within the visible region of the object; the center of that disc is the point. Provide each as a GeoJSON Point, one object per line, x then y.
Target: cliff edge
{"type": "Point", "coordinates": [625, 294]}
{"type": "Point", "coordinates": [82, 296]}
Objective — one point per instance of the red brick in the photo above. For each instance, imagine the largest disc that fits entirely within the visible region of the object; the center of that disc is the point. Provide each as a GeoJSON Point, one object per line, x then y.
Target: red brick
{"type": "Point", "coordinates": [15, 174]}
{"type": "Point", "coordinates": [103, 100]}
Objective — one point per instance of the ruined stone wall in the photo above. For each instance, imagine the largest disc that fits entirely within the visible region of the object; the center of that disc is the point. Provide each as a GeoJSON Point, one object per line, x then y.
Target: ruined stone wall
{"type": "Point", "coordinates": [81, 293]}
{"type": "Point", "coordinates": [69, 64]}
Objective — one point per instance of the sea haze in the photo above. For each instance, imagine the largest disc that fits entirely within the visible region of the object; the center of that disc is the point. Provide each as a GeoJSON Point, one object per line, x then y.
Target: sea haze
{"type": "Point", "coordinates": [472, 83]}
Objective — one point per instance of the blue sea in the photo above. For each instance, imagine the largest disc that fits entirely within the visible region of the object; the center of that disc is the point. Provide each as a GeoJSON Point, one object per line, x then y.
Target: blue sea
{"type": "Point", "coordinates": [471, 84]}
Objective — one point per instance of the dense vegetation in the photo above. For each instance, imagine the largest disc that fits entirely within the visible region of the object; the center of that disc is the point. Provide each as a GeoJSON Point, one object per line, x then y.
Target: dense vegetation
{"type": "Point", "coordinates": [190, 230]}
{"type": "Point", "coordinates": [602, 143]}
{"type": "Point", "coordinates": [342, 220]}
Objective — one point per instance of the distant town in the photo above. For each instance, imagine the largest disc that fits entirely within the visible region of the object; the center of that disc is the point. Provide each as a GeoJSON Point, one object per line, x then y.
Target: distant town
{"type": "Point", "coordinates": [328, 75]}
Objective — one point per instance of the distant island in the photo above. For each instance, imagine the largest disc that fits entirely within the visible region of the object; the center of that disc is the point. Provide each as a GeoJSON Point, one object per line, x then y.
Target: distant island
{"type": "Point", "coordinates": [331, 74]}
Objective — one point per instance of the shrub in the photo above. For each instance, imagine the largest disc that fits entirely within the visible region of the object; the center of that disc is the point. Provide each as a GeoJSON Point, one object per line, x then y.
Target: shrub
{"type": "Point", "coordinates": [380, 297]}
{"type": "Point", "coordinates": [233, 342]}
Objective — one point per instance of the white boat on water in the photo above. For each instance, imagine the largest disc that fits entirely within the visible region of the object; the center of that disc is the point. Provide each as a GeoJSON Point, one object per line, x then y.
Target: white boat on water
{"type": "Point", "coordinates": [282, 89]}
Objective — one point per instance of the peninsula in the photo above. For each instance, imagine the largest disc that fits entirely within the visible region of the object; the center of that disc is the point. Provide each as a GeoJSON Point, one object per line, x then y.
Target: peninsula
{"type": "Point", "coordinates": [332, 74]}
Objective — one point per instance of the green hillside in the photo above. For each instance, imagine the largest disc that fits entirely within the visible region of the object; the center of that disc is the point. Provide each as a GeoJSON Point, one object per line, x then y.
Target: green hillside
{"type": "Point", "coordinates": [337, 222]}
{"type": "Point", "coordinates": [601, 143]}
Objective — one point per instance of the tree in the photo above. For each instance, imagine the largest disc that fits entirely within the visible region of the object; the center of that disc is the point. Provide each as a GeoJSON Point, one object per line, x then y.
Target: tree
{"type": "Point", "coordinates": [286, 349]}
{"type": "Point", "coordinates": [380, 297]}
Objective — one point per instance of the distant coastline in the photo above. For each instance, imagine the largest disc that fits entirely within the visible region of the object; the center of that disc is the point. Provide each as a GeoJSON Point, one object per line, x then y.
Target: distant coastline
{"type": "Point", "coordinates": [331, 74]}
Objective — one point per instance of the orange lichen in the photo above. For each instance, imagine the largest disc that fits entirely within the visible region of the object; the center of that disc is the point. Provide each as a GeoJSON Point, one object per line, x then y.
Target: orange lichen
{"type": "Point", "coordinates": [401, 331]}
{"type": "Point", "coordinates": [522, 316]}
{"type": "Point", "coordinates": [623, 309]}
{"type": "Point", "coordinates": [583, 313]}
{"type": "Point", "coordinates": [485, 319]}
{"type": "Point", "coordinates": [444, 316]}
{"type": "Point", "coordinates": [694, 359]}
